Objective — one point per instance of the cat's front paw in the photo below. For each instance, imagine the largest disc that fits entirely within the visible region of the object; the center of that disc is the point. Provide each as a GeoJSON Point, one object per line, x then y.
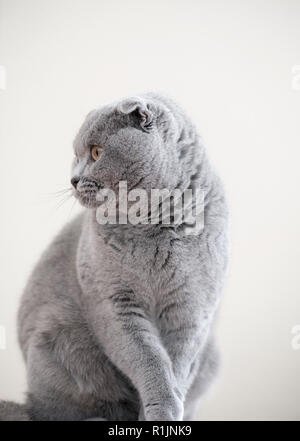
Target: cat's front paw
{"type": "Point", "coordinates": [166, 409]}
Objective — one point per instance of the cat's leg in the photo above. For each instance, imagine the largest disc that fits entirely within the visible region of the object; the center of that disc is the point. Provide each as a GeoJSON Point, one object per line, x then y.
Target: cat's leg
{"type": "Point", "coordinates": [184, 324]}
{"type": "Point", "coordinates": [205, 370]}
{"type": "Point", "coordinates": [10, 411]}
{"type": "Point", "coordinates": [53, 394]}
{"type": "Point", "coordinates": [70, 379]}
{"type": "Point", "coordinates": [131, 341]}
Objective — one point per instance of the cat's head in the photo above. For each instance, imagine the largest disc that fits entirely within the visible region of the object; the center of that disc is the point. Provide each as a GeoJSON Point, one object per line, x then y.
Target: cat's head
{"type": "Point", "coordinates": [146, 141]}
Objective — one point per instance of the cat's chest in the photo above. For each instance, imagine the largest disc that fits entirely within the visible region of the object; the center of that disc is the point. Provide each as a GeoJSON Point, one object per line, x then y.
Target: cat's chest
{"type": "Point", "coordinates": [141, 263]}
{"type": "Point", "coordinates": [143, 257]}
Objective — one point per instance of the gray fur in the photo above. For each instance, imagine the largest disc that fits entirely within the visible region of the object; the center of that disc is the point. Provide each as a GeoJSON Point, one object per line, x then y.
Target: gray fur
{"type": "Point", "coordinates": [116, 321]}
{"type": "Point", "coordinates": [10, 411]}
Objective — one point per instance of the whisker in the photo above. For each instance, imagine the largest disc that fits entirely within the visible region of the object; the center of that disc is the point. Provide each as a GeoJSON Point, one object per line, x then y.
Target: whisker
{"type": "Point", "coordinates": [72, 207]}
{"type": "Point", "coordinates": [63, 201]}
{"type": "Point", "coordinates": [64, 190]}
{"type": "Point", "coordinates": [45, 197]}
{"type": "Point", "coordinates": [61, 192]}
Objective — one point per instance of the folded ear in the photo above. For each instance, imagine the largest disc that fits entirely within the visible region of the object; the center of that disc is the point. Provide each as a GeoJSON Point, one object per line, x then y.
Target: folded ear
{"type": "Point", "coordinates": [139, 108]}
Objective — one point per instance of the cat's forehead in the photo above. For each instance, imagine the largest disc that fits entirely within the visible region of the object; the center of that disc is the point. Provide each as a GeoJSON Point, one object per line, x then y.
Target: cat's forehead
{"type": "Point", "coordinates": [100, 119]}
{"type": "Point", "coordinates": [98, 125]}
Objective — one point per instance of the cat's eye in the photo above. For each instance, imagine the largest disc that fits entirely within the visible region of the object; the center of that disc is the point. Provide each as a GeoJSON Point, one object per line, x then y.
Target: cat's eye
{"type": "Point", "coordinates": [96, 151]}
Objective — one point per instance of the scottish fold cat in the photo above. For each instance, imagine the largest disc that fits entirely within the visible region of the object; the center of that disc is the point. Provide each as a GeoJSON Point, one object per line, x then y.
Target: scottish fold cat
{"type": "Point", "coordinates": [116, 321]}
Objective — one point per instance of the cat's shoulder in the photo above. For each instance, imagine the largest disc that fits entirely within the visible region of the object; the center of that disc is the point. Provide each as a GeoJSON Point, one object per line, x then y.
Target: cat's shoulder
{"type": "Point", "coordinates": [72, 229]}
{"type": "Point", "coordinates": [66, 241]}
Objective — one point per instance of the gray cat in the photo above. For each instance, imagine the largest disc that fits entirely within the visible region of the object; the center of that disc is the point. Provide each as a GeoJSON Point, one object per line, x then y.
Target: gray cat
{"type": "Point", "coordinates": [116, 320]}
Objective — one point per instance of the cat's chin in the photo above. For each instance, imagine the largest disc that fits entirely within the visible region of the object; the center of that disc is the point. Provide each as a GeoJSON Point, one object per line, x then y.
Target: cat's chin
{"type": "Point", "coordinates": [87, 201]}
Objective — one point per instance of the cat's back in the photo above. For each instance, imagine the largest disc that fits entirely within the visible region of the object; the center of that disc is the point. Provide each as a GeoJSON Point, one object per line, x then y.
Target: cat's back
{"type": "Point", "coordinates": [52, 282]}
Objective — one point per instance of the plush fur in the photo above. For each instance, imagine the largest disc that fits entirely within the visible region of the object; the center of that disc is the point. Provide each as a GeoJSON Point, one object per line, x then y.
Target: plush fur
{"type": "Point", "coordinates": [116, 321]}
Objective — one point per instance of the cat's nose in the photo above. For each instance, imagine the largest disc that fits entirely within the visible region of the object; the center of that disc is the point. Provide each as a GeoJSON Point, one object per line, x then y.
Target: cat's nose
{"type": "Point", "coordinates": [74, 181]}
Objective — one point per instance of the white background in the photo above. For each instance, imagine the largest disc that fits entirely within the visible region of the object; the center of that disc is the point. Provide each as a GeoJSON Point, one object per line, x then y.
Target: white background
{"type": "Point", "coordinates": [230, 65]}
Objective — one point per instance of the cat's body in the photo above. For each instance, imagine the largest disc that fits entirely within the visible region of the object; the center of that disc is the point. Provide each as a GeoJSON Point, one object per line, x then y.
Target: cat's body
{"type": "Point", "coordinates": [116, 320]}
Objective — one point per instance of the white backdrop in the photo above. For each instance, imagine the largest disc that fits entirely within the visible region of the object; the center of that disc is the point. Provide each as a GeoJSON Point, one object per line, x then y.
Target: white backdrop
{"type": "Point", "coordinates": [234, 67]}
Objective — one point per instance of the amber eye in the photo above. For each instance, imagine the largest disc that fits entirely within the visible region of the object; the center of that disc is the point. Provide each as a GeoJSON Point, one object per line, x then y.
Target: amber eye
{"type": "Point", "coordinates": [96, 151]}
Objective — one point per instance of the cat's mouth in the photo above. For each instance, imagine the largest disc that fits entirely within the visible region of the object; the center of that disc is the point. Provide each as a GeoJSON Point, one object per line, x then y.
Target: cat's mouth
{"type": "Point", "coordinates": [86, 192]}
